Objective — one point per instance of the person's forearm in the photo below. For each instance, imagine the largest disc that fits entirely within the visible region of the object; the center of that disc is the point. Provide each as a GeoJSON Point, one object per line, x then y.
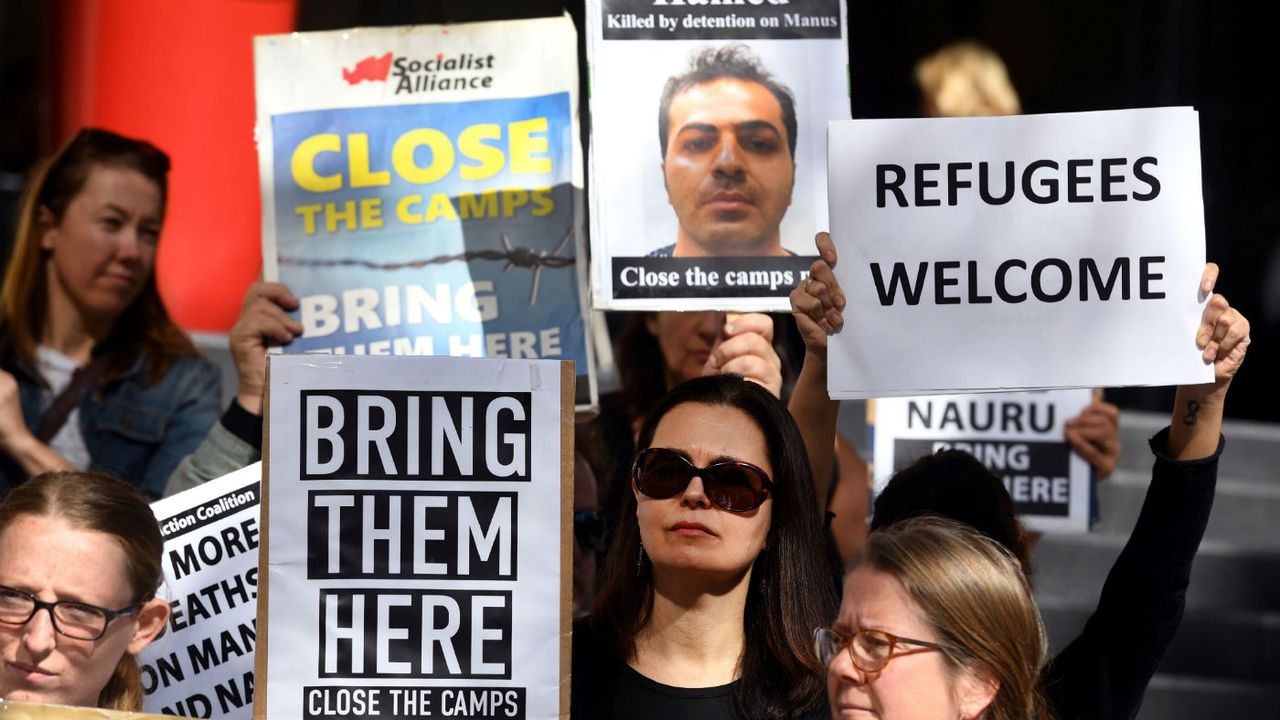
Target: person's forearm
{"type": "Point", "coordinates": [815, 413]}
{"type": "Point", "coordinates": [1197, 421]}
{"type": "Point", "coordinates": [34, 457]}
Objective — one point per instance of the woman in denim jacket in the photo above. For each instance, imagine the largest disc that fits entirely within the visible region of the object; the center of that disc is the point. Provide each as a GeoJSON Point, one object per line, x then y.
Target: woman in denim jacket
{"type": "Point", "coordinates": [95, 374]}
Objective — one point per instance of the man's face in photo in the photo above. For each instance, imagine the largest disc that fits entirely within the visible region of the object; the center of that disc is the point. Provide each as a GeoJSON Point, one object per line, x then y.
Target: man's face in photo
{"type": "Point", "coordinates": [728, 168]}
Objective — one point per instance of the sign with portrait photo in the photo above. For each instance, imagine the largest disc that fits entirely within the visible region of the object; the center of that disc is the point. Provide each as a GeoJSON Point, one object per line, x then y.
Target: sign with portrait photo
{"type": "Point", "coordinates": [422, 189]}
{"type": "Point", "coordinates": [708, 148]}
{"type": "Point", "coordinates": [1019, 436]}
{"type": "Point", "coordinates": [417, 538]}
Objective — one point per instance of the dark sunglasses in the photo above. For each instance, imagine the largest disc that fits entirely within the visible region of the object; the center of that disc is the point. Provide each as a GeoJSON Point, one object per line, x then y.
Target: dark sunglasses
{"type": "Point", "coordinates": [735, 486]}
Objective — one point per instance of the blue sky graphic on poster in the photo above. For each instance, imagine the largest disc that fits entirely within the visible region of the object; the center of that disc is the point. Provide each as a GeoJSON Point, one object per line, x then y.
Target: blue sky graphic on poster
{"type": "Point", "coordinates": [374, 204]}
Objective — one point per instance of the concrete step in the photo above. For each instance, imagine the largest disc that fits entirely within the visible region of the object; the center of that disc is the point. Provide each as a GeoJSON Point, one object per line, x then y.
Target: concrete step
{"type": "Point", "coordinates": [1223, 576]}
{"type": "Point", "coordinates": [1245, 512]}
{"type": "Point", "coordinates": [1211, 643]}
{"type": "Point", "coordinates": [1180, 697]}
{"type": "Point", "coordinates": [1252, 453]}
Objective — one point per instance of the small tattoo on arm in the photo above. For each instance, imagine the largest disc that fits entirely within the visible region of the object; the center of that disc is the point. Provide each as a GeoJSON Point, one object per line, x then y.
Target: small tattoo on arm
{"type": "Point", "coordinates": [1193, 407]}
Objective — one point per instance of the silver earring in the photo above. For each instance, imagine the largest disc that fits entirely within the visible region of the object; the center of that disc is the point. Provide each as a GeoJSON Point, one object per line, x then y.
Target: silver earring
{"type": "Point", "coordinates": [640, 560]}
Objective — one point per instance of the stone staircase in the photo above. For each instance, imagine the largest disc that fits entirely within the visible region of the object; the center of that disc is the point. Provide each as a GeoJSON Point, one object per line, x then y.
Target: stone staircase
{"type": "Point", "coordinates": [1224, 662]}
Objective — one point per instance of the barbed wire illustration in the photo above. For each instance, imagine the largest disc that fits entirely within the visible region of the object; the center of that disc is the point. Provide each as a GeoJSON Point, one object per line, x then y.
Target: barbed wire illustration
{"type": "Point", "coordinates": [520, 257]}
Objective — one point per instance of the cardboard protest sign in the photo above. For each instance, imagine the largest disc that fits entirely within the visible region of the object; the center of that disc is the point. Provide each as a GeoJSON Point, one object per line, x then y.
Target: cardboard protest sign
{"type": "Point", "coordinates": [1019, 436]}
{"type": "Point", "coordinates": [12, 710]}
{"type": "Point", "coordinates": [202, 665]}
{"type": "Point", "coordinates": [708, 148]}
{"type": "Point", "coordinates": [1017, 252]}
{"type": "Point", "coordinates": [418, 538]}
{"type": "Point", "coordinates": [422, 189]}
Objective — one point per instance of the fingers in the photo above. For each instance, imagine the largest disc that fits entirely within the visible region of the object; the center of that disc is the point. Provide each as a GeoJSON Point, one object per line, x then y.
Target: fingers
{"type": "Point", "coordinates": [1095, 434]}
{"type": "Point", "coordinates": [745, 348]}
{"type": "Point", "coordinates": [1103, 457]}
{"type": "Point", "coordinates": [264, 315]}
{"type": "Point", "coordinates": [1213, 312]}
{"type": "Point", "coordinates": [1223, 329]}
{"type": "Point", "coordinates": [742, 323]}
{"type": "Point", "coordinates": [819, 300]}
{"type": "Point", "coordinates": [1209, 278]}
{"type": "Point", "coordinates": [826, 248]}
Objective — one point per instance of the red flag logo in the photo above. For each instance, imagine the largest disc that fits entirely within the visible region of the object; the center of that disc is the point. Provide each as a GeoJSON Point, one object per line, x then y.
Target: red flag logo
{"type": "Point", "coordinates": [371, 68]}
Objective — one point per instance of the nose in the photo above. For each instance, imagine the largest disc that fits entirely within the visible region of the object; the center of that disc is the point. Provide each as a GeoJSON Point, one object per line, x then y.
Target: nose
{"type": "Point", "coordinates": [729, 159]}
{"type": "Point", "coordinates": [38, 635]}
{"type": "Point", "coordinates": [129, 247]}
{"type": "Point", "coordinates": [710, 324]}
{"type": "Point", "coordinates": [695, 495]}
{"type": "Point", "coordinates": [842, 669]}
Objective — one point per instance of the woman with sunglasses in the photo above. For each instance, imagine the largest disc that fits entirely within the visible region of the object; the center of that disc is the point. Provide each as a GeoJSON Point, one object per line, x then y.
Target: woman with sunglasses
{"type": "Point", "coordinates": [93, 373]}
{"type": "Point", "coordinates": [716, 576]}
{"type": "Point", "coordinates": [937, 622]}
{"type": "Point", "coordinates": [79, 567]}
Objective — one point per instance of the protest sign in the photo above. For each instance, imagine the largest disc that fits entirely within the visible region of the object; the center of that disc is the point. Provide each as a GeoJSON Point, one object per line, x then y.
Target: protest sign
{"type": "Point", "coordinates": [1017, 252]}
{"type": "Point", "coordinates": [12, 710]}
{"type": "Point", "coordinates": [1019, 436]}
{"type": "Point", "coordinates": [418, 537]}
{"type": "Point", "coordinates": [422, 189]}
{"type": "Point", "coordinates": [202, 664]}
{"type": "Point", "coordinates": [708, 148]}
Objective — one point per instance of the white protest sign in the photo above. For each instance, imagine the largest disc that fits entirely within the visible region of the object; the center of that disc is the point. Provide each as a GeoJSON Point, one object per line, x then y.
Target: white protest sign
{"type": "Point", "coordinates": [708, 147]}
{"type": "Point", "coordinates": [417, 538]}
{"type": "Point", "coordinates": [1017, 252]}
{"type": "Point", "coordinates": [202, 666]}
{"type": "Point", "coordinates": [1019, 436]}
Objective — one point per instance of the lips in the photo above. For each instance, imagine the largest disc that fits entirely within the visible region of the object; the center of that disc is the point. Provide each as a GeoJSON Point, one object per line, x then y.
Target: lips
{"type": "Point", "coordinates": [853, 710]}
{"type": "Point", "coordinates": [729, 200]}
{"type": "Point", "coordinates": [31, 673]}
{"type": "Point", "coordinates": [120, 279]}
{"type": "Point", "coordinates": [689, 528]}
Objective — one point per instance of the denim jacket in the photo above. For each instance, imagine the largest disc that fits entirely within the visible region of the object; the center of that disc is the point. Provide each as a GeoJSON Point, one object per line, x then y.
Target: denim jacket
{"type": "Point", "coordinates": [134, 431]}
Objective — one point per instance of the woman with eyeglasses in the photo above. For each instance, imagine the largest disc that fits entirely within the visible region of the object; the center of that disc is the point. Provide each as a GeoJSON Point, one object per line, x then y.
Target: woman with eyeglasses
{"type": "Point", "coordinates": [80, 561]}
{"type": "Point", "coordinates": [937, 623]}
{"type": "Point", "coordinates": [1104, 672]}
{"type": "Point", "coordinates": [716, 575]}
{"type": "Point", "coordinates": [93, 373]}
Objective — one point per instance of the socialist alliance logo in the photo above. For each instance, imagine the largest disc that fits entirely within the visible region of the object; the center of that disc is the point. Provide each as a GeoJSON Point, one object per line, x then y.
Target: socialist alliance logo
{"type": "Point", "coordinates": [372, 68]}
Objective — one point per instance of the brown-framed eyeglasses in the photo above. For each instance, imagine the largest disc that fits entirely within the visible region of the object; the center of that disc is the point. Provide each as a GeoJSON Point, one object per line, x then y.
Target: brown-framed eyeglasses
{"type": "Point", "coordinates": [870, 650]}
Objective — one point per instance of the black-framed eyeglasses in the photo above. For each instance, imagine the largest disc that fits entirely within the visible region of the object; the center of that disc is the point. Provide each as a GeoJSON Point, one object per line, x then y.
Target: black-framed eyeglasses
{"type": "Point", "coordinates": [76, 620]}
{"type": "Point", "coordinates": [731, 484]}
{"type": "Point", "coordinates": [870, 650]}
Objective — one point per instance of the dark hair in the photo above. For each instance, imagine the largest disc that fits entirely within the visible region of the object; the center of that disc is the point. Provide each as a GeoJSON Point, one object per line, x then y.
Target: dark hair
{"type": "Point", "coordinates": [731, 61]}
{"type": "Point", "coordinates": [144, 327]}
{"type": "Point", "coordinates": [954, 484]}
{"type": "Point", "coordinates": [790, 591]}
{"type": "Point", "coordinates": [641, 368]}
{"type": "Point", "coordinates": [98, 502]}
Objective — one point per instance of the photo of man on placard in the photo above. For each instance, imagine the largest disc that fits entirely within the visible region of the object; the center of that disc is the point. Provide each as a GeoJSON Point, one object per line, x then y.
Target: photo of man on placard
{"type": "Point", "coordinates": [727, 130]}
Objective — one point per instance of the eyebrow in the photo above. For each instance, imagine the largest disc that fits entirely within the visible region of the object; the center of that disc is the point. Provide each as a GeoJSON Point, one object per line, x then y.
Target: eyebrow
{"type": "Point", "coordinates": [752, 125]}
{"type": "Point", "coordinates": [746, 125]}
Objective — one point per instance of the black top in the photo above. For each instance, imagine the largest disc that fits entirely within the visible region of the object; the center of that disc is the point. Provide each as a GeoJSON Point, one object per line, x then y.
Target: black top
{"type": "Point", "coordinates": [1103, 674]}
{"type": "Point", "coordinates": [605, 688]}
